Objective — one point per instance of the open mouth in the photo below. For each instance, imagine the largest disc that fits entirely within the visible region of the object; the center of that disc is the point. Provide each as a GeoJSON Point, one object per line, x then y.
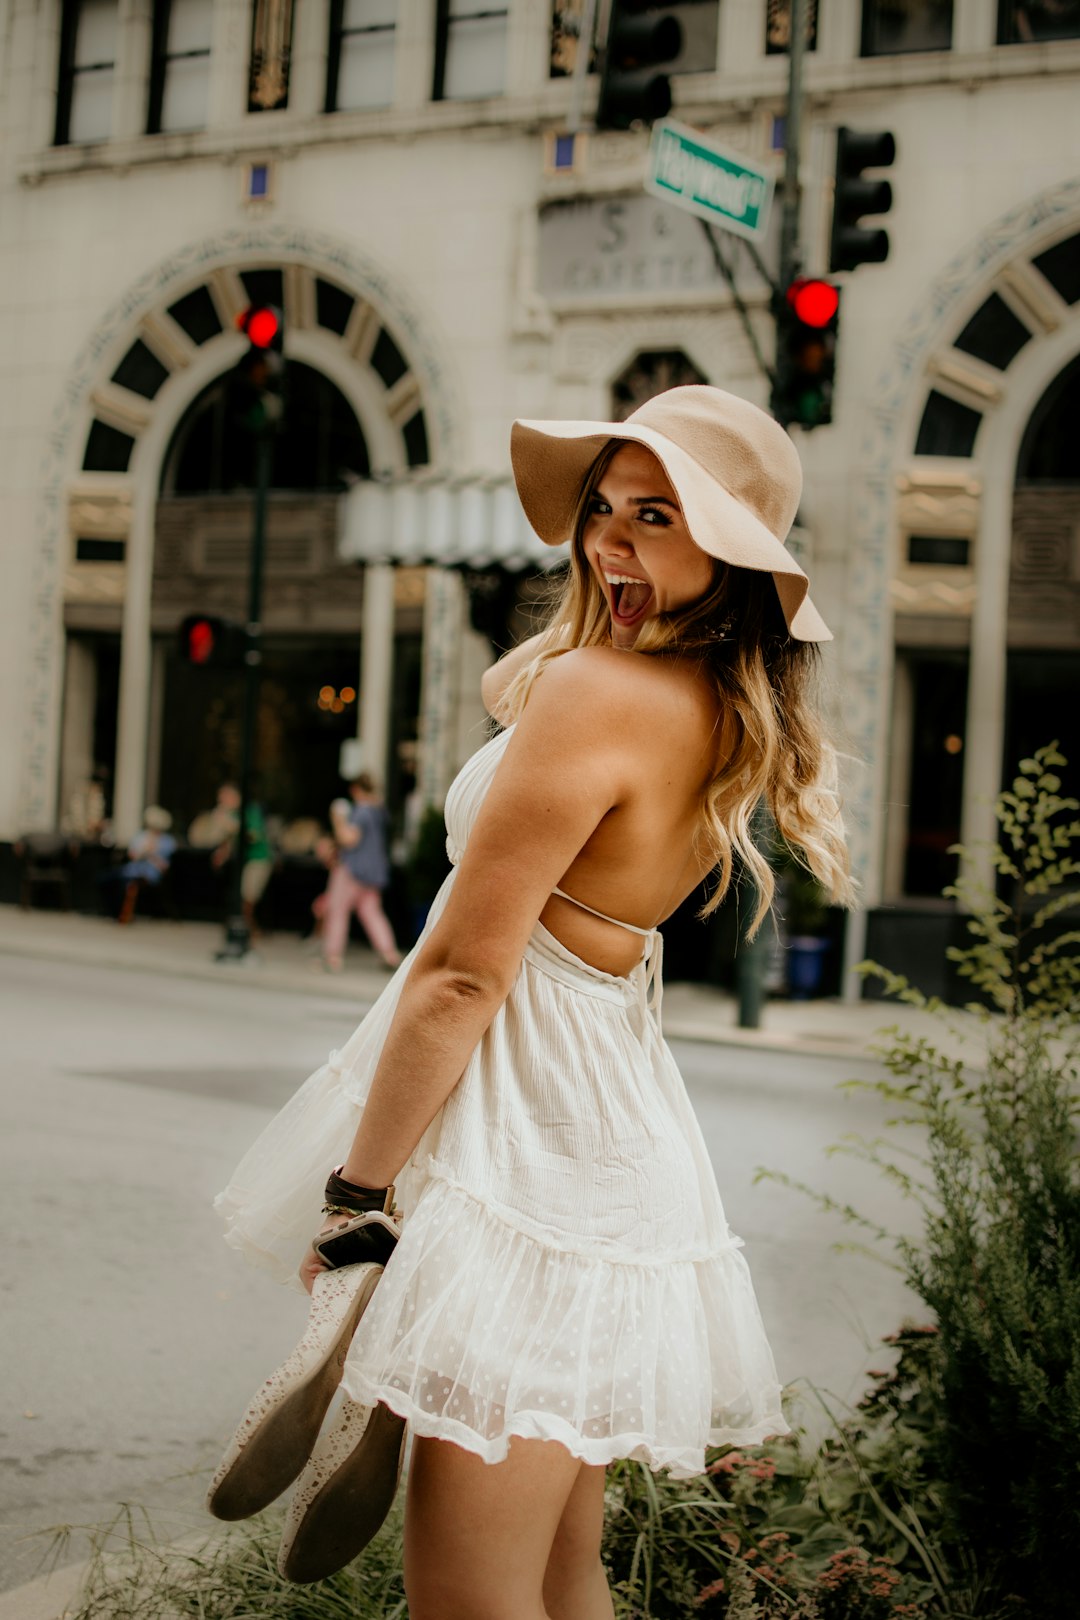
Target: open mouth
{"type": "Point", "coordinates": [630, 599]}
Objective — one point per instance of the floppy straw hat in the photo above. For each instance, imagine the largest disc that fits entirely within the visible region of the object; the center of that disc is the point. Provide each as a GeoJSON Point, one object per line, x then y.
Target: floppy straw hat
{"type": "Point", "coordinates": [734, 469]}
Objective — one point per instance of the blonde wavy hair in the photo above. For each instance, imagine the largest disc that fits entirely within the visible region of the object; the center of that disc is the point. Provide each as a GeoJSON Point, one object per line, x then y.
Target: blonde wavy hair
{"type": "Point", "coordinates": [776, 750]}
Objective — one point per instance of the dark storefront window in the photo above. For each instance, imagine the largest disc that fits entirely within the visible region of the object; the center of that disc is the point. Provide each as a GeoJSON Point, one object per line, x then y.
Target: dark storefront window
{"type": "Point", "coordinates": [894, 27]}
{"type": "Point", "coordinates": [1041, 707]}
{"type": "Point", "coordinates": [939, 696]}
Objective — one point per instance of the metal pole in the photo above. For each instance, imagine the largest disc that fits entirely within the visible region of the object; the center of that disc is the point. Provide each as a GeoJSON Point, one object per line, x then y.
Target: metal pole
{"type": "Point", "coordinates": [791, 191]}
{"type": "Point", "coordinates": [751, 966]}
{"type": "Point", "coordinates": [237, 933]}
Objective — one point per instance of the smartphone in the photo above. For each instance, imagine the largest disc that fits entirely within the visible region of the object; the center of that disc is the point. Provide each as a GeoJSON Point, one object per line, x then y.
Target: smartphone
{"type": "Point", "coordinates": [367, 1239]}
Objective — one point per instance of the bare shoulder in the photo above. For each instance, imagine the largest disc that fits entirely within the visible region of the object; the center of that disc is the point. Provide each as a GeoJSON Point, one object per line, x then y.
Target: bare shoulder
{"type": "Point", "coordinates": [645, 694]}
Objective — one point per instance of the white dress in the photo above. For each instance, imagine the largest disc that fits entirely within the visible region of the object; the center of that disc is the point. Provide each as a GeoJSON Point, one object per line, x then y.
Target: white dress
{"type": "Point", "coordinates": [565, 1270]}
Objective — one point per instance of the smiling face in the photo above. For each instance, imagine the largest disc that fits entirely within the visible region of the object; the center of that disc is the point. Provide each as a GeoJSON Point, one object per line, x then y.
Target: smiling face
{"type": "Point", "coordinates": [638, 546]}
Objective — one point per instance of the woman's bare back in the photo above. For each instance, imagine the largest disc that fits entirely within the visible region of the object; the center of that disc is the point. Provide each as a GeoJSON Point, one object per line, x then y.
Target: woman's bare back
{"type": "Point", "coordinates": [644, 858]}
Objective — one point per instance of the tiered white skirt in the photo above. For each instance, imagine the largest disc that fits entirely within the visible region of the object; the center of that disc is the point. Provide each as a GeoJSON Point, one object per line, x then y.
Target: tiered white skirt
{"type": "Point", "coordinates": [565, 1270]}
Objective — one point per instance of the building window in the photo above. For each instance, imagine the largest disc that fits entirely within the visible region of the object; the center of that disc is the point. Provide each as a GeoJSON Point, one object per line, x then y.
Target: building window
{"type": "Point", "coordinates": [180, 66]}
{"type": "Point", "coordinates": [87, 70]}
{"type": "Point", "coordinates": [470, 50]}
{"type": "Point", "coordinates": [360, 60]}
{"type": "Point", "coordinates": [1061, 267]}
{"type": "Point", "coordinates": [948, 428]}
{"type": "Point", "coordinates": [778, 27]}
{"type": "Point", "coordinates": [271, 54]}
{"type": "Point", "coordinates": [1023, 22]}
{"type": "Point", "coordinates": [994, 334]}
{"type": "Point", "coordinates": [648, 374]}
{"type": "Point", "coordinates": [892, 27]}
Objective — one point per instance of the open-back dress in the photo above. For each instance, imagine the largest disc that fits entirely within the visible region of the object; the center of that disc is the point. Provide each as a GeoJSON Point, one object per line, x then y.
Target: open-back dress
{"type": "Point", "coordinates": [565, 1270]}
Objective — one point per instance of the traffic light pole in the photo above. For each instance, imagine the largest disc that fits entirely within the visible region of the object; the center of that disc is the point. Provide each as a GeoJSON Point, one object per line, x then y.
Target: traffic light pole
{"type": "Point", "coordinates": [237, 933]}
{"type": "Point", "coordinates": [791, 191]}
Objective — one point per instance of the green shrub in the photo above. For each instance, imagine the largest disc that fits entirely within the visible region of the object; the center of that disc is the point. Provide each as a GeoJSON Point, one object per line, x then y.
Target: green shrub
{"type": "Point", "coordinates": [997, 1260]}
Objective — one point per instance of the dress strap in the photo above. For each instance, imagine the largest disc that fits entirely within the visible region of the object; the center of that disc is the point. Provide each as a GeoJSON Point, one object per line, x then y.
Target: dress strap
{"type": "Point", "coordinates": [631, 928]}
{"type": "Point", "coordinates": [649, 971]}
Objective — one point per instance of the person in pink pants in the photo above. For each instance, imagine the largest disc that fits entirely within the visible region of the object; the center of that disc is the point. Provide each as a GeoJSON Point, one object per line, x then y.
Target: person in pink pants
{"type": "Point", "coordinates": [360, 875]}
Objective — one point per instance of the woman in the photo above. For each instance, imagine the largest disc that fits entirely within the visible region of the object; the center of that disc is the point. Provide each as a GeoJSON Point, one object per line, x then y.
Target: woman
{"type": "Point", "coordinates": [566, 1290]}
{"type": "Point", "coordinates": [359, 876]}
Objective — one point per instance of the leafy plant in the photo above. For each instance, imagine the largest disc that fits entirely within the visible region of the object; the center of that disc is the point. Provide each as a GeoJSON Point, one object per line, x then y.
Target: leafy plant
{"type": "Point", "coordinates": [997, 1187]}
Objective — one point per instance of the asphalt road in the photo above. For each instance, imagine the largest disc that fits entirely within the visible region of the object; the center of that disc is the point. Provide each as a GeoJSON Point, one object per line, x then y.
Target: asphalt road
{"type": "Point", "coordinates": [132, 1337]}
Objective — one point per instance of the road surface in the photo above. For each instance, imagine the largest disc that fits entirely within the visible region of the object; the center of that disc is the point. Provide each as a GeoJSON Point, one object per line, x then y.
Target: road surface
{"type": "Point", "coordinates": [132, 1337]}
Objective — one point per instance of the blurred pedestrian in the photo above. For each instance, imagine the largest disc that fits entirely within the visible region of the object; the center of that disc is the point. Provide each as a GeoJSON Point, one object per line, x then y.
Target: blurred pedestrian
{"type": "Point", "coordinates": [86, 816]}
{"type": "Point", "coordinates": [216, 830]}
{"type": "Point", "coordinates": [359, 875]}
{"type": "Point", "coordinates": [149, 855]}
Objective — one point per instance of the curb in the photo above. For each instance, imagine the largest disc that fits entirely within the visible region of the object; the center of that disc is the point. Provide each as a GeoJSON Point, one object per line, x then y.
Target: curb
{"type": "Point", "coordinates": [47, 1597]}
{"type": "Point", "coordinates": [361, 988]}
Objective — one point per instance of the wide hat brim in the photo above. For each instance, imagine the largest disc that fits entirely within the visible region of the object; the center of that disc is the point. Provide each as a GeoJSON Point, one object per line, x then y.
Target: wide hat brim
{"type": "Point", "coordinates": [552, 459]}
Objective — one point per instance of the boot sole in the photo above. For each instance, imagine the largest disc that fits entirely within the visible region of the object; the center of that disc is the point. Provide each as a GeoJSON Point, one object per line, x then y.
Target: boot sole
{"type": "Point", "coordinates": [273, 1443]}
{"type": "Point", "coordinates": [345, 1513]}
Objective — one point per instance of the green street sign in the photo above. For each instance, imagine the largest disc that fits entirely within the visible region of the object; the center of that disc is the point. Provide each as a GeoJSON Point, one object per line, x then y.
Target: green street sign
{"type": "Point", "coordinates": [691, 171]}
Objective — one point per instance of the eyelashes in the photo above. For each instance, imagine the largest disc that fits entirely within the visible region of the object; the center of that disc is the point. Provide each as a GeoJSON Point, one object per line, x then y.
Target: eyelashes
{"type": "Point", "coordinates": [657, 517]}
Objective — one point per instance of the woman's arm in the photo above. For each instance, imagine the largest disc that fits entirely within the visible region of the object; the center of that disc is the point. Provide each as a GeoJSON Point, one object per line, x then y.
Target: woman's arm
{"type": "Point", "coordinates": [564, 768]}
{"type": "Point", "coordinates": [346, 834]}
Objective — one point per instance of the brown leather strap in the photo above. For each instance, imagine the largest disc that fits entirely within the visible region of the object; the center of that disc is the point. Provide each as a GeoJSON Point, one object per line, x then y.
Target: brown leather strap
{"type": "Point", "coordinates": [348, 1195]}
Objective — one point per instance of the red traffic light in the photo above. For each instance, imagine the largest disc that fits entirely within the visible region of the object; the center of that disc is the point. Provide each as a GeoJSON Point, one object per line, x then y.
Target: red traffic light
{"type": "Point", "coordinates": [199, 640]}
{"type": "Point", "coordinates": [260, 325]}
{"type": "Point", "coordinates": [815, 302]}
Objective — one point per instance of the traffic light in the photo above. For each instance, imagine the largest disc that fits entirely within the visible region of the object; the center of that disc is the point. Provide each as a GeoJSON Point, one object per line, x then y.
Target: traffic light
{"type": "Point", "coordinates": [807, 317]}
{"type": "Point", "coordinates": [639, 39]}
{"type": "Point", "coordinates": [260, 372]}
{"type": "Point", "coordinates": [205, 639]}
{"type": "Point", "coordinates": [852, 243]}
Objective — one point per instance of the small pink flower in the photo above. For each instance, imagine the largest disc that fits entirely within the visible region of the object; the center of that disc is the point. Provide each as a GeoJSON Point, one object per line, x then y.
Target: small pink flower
{"type": "Point", "coordinates": [728, 1464]}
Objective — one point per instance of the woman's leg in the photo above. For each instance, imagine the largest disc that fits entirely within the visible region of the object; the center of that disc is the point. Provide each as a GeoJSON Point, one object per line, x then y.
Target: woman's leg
{"type": "Point", "coordinates": [479, 1536]}
{"type": "Point", "coordinates": [575, 1582]}
{"type": "Point", "coordinates": [339, 904]}
{"type": "Point", "coordinates": [376, 924]}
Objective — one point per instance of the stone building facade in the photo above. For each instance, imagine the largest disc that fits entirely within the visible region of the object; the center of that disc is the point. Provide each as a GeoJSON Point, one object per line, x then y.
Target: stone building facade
{"type": "Point", "coordinates": [388, 171]}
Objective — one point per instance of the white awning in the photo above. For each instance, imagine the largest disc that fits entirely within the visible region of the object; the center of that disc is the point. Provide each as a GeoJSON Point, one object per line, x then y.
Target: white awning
{"type": "Point", "coordinates": [466, 522]}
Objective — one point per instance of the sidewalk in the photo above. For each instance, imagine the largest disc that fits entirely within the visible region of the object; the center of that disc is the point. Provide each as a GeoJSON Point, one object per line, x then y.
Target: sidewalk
{"type": "Point", "coordinates": [693, 1012]}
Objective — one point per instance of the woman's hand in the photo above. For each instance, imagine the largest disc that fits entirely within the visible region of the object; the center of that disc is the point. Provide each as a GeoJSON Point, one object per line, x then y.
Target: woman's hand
{"type": "Point", "coordinates": [312, 1264]}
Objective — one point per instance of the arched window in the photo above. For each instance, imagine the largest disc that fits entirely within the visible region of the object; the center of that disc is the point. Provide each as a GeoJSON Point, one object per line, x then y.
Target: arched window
{"type": "Point", "coordinates": [320, 445]}
{"type": "Point", "coordinates": [1050, 452]}
{"type": "Point", "coordinates": [650, 373]}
